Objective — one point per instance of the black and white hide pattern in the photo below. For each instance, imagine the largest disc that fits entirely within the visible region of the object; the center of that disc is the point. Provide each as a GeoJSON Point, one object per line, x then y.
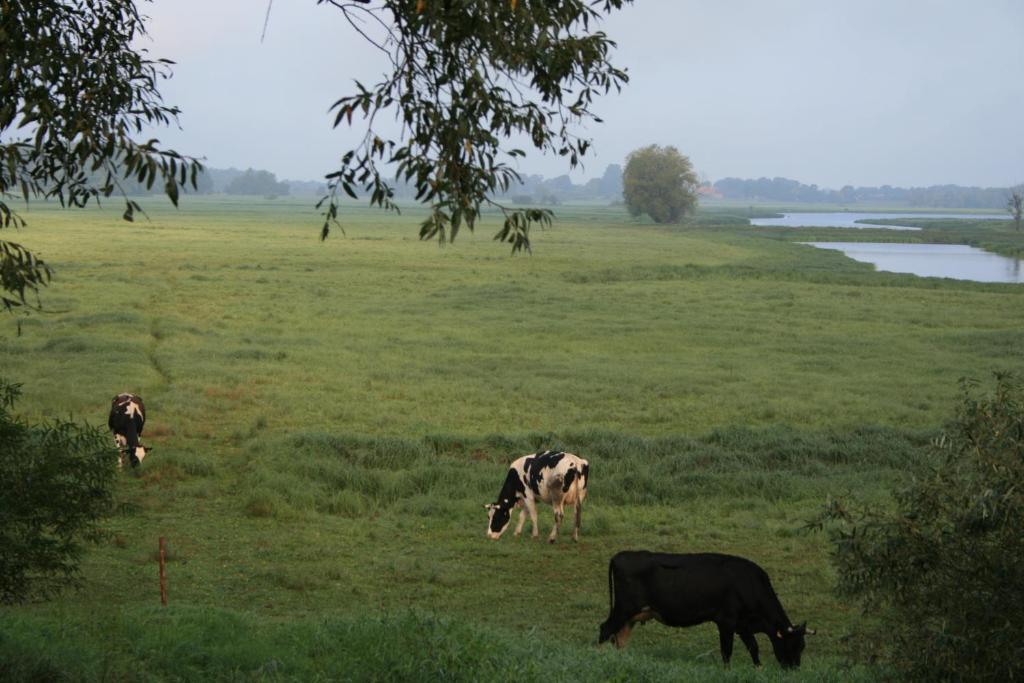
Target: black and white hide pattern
{"type": "Point", "coordinates": [553, 477]}
{"type": "Point", "coordinates": [127, 418]}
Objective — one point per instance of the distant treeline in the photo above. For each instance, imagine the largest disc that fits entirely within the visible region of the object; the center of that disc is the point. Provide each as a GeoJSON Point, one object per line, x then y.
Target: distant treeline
{"type": "Point", "coordinates": [235, 182]}
{"type": "Point", "coordinates": [786, 190]}
{"type": "Point", "coordinates": [535, 189]}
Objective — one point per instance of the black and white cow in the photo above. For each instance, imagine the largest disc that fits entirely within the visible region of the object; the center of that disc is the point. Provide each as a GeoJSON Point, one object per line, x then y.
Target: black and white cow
{"type": "Point", "coordinates": [684, 590]}
{"type": "Point", "coordinates": [552, 477]}
{"type": "Point", "coordinates": [127, 418]}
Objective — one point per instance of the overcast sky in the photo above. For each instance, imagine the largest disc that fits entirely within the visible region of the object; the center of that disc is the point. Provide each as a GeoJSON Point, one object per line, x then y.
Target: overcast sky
{"type": "Point", "coordinates": [834, 92]}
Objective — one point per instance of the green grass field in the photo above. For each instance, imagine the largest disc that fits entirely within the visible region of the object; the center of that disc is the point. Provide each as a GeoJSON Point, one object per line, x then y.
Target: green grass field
{"type": "Point", "coordinates": [329, 419]}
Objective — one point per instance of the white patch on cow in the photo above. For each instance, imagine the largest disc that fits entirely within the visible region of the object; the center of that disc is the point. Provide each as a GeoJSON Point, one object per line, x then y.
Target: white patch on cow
{"type": "Point", "coordinates": [140, 452]}
{"type": "Point", "coordinates": [132, 409]}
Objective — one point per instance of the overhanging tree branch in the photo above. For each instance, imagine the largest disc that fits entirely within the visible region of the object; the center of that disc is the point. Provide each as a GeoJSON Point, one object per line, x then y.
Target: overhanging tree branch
{"type": "Point", "coordinates": [74, 93]}
{"type": "Point", "coordinates": [466, 77]}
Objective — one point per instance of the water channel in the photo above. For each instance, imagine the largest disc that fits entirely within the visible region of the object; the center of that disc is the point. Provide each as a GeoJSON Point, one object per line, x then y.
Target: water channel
{"type": "Point", "coordinates": [956, 261]}
{"type": "Point", "coordinates": [848, 219]}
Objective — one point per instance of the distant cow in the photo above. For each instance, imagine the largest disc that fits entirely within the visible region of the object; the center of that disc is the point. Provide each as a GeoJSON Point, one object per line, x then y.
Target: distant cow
{"type": "Point", "coordinates": [685, 590]}
{"type": "Point", "coordinates": [552, 477]}
{"type": "Point", "coordinates": [127, 418]}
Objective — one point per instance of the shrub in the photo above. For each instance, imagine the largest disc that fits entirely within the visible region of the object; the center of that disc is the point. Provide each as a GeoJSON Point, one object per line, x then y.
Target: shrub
{"type": "Point", "coordinates": [55, 486]}
{"type": "Point", "coordinates": [943, 570]}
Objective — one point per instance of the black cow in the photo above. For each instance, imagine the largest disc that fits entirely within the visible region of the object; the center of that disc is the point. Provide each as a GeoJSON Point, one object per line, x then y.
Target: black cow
{"type": "Point", "coordinates": [127, 418]}
{"type": "Point", "coordinates": [685, 590]}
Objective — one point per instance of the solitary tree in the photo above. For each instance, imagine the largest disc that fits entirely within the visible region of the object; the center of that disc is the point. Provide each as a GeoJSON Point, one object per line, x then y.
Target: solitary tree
{"type": "Point", "coordinates": [1015, 205]}
{"type": "Point", "coordinates": [75, 91]}
{"type": "Point", "coordinates": [659, 182]}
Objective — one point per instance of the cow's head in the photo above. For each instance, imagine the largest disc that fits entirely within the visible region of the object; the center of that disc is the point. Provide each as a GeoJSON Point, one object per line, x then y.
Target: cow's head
{"type": "Point", "coordinates": [134, 456]}
{"type": "Point", "coordinates": [789, 644]}
{"type": "Point", "coordinates": [498, 517]}
{"type": "Point", "coordinates": [140, 453]}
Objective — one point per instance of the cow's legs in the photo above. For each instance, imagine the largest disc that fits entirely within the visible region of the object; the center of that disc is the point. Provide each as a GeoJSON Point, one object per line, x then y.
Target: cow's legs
{"type": "Point", "coordinates": [522, 518]}
{"type": "Point", "coordinates": [725, 637]}
{"type": "Point", "coordinates": [121, 444]}
{"type": "Point", "coordinates": [531, 507]}
{"type": "Point", "coordinates": [576, 527]}
{"type": "Point", "coordinates": [559, 516]}
{"type": "Point", "coordinates": [622, 637]}
{"type": "Point", "coordinates": [751, 642]}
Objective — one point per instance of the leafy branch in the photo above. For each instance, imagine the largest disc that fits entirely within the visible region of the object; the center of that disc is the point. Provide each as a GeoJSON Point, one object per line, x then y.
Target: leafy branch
{"type": "Point", "coordinates": [74, 93]}
{"type": "Point", "coordinates": [465, 77]}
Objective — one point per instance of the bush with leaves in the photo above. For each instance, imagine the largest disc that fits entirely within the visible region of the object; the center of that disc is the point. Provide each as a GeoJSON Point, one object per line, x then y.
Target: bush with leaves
{"type": "Point", "coordinates": [942, 574]}
{"type": "Point", "coordinates": [55, 487]}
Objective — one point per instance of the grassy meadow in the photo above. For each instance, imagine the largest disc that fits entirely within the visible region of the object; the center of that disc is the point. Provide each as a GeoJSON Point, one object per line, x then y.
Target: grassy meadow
{"type": "Point", "coordinates": [329, 419]}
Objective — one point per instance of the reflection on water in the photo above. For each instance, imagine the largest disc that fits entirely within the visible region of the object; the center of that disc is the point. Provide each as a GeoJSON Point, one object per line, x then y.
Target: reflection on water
{"type": "Point", "coordinates": [956, 261]}
{"type": "Point", "coordinates": [848, 219]}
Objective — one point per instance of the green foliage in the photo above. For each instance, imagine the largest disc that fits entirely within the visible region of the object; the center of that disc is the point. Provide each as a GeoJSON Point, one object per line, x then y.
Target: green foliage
{"type": "Point", "coordinates": [457, 87]}
{"type": "Point", "coordinates": [74, 89]}
{"type": "Point", "coordinates": [55, 486]}
{"type": "Point", "coordinates": [659, 182]}
{"type": "Point", "coordinates": [944, 568]}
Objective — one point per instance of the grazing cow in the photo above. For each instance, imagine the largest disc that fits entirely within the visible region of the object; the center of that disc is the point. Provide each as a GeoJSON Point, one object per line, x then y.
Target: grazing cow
{"type": "Point", "coordinates": [685, 590]}
{"type": "Point", "coordinates": [127, 417]}
{"type": "Point", "coordinates": [549, 476]}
